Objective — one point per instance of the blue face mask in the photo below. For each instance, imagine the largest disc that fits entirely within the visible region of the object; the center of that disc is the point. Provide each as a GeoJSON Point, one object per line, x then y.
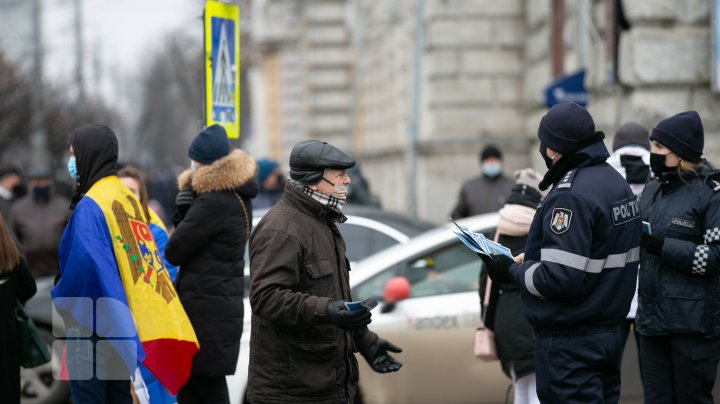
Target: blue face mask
{"type": "Point", "coordinates": [72, 169]}
{"type": "Point", "coordinates": [492, 169]}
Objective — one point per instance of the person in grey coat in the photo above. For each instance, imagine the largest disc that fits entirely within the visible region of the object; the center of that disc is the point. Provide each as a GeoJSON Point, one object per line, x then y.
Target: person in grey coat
{"type": "Point", "coordinates": [487, 192]}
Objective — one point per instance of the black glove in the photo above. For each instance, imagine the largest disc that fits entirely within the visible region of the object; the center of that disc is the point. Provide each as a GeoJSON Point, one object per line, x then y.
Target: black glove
{"type": "Point", "coordinates": [346, 319]}
{"type": "Point", "coordinates": [379, 359]}
{"type": "Point", "coordinates": [652, 244]}
{"type": "Point", "coordinates": [498, 267]}
{"type": "Point", "coordinates": [183, 200]}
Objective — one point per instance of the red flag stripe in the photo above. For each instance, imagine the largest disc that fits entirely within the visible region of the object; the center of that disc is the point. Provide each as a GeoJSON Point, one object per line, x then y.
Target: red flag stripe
{"type": "Point", "coordinates": [169, 360]}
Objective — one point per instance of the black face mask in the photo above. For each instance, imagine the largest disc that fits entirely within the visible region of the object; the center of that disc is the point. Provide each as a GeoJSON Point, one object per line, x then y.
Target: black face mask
{"type": "Point", "coordinates": [41, 192]}
{"type": "Point", "coordinates": [657, 164]}
{"type": "Point", "coordinates": [19, 191]}
{"type": "Point", "coordinates": [543, 154]}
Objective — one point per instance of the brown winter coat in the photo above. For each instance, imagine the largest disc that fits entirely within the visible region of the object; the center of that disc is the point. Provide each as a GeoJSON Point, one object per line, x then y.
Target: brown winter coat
{"type": "Point", "coordinates": [297, 265]}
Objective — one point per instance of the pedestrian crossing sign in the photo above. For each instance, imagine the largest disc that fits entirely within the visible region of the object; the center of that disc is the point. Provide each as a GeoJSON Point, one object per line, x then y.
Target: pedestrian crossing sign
{"type": "Point", "coordinates": [222, 67]}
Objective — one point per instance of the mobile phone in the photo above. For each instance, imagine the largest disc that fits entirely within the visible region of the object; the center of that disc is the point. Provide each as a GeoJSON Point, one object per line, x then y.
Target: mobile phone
{"type": "Point", "coordinates": [368, 303]}
{"type": "Point", "coordinates": [646, 228]}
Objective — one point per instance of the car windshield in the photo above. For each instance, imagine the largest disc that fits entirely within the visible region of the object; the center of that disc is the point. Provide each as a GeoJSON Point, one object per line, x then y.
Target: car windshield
{"type": "Point", "coordinates": [451, 268]}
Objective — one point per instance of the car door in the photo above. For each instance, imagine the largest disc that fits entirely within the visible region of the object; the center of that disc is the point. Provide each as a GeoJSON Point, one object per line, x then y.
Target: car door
{"type": "Point", "coordinates": [435, 328]}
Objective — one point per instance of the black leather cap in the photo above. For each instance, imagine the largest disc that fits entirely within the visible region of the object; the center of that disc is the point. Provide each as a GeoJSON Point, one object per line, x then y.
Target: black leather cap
{"type": "Point", "coordinates": [309, 158]}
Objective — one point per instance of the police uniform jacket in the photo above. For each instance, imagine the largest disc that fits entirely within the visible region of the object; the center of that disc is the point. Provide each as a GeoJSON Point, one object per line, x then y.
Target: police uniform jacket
{"type": "Point", "coordinates": [298, 265]}
{"type": "Point", "coordinates": [679, 291]}
{"type": "Point", "coordinates": [582, 253]}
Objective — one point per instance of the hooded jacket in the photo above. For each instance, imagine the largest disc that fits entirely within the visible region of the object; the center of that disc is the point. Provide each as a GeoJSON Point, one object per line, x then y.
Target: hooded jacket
{"type": "Point", "coordinates": [208, 245]}
{"type": "Point", "coordinates": [633, 163]}
{"type": "Point", "coordinates": [298, 265]}
{"type": "Point", "coordinates": [96, 152]}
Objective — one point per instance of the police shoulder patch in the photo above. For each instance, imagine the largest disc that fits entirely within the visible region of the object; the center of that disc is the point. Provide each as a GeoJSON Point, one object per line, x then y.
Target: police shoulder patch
{"type": "Point", "coordinates": [625, 210]}
{"type": "Point", "coordinates": [561, 218]}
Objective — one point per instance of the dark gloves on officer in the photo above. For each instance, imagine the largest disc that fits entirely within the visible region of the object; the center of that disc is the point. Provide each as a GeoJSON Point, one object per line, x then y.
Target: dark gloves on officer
{"type": "Point", "coordinates": [346, 319]}
{"type": "Point", "coordinates": [652, 244]}
{"type": "Point", "coordinates": [498, 267]}
{"type": "Point", "coordinates": [379, 359]}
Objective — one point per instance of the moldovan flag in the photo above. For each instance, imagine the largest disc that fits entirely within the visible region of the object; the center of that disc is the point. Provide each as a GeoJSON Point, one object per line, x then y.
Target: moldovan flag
{"type": "Point", "coordinates": [114, 281]}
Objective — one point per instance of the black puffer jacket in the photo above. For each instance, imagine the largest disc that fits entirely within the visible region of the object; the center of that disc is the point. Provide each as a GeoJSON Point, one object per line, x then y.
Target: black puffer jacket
{"type": "Point", "coordinates": [505, 317]}
{"type": "Point", "coordinates": [208, 246]}
{"type": "Point", "coordinates": [679, 291]}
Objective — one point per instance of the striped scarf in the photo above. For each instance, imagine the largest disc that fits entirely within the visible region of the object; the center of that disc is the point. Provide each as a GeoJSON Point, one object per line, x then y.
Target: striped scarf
{"type": "Point", "coordinates": [327, 200]}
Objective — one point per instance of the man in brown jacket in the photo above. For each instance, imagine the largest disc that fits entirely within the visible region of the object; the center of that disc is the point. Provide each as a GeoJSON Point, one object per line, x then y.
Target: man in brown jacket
{"type": "Point", "coordinates": [303, 337]}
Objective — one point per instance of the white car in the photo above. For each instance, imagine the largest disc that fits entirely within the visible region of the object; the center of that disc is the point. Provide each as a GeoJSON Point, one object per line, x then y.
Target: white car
{"type": "Point", "coordinates": [435, 325]}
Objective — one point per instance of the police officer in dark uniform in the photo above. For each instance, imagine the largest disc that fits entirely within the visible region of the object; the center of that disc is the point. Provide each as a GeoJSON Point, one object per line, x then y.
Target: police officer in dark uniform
{"type": "Point", "coordinates": [678, 315]}
{"type": "Point", "coordinates": [580, 263]}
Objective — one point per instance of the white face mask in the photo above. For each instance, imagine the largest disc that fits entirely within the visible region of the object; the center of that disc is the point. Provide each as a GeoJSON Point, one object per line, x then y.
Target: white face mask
{"type": "Point", "coordinates": [193, 166]}
{"type": "Point", "coordinates": [339, 190]}
{"type": "Point", "coordinates": [492, 169]}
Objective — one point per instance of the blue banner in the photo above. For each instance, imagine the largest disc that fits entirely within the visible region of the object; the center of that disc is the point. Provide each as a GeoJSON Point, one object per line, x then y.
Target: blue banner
{"type": "Point", "coordinates": [570, 88]}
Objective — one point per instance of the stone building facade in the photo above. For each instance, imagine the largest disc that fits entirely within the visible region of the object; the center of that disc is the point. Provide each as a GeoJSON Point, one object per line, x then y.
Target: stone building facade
{"type": "Point", "coordinates": [416, 88]}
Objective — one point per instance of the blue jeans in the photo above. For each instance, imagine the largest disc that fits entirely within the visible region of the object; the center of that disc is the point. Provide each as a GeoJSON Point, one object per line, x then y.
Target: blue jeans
{"type": "Point", "coordinates": [85, 363]}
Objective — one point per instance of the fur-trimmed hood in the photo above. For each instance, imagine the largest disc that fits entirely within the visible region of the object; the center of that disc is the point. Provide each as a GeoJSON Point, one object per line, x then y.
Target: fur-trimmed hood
{"type": "Point", "coordinates": [228, 173]}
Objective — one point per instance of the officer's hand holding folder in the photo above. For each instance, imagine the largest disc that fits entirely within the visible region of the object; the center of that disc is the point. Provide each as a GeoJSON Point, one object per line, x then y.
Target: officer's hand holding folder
{"type": "Point", "coordinates": [479, 243]}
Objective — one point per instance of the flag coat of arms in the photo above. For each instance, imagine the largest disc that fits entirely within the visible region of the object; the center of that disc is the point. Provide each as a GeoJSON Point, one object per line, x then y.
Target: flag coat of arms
{"type": "Point", "coordinates": [107, 253]}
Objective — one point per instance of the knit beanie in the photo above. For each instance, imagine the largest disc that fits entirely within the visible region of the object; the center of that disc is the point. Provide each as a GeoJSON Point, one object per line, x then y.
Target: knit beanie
{"type": "Point", "coordinates": [310, 158]}
{"type": "Point", "coordinates": [526, 190]}
{"type": "Point", "coordinates": [565, 127]}
{"type": "Point", "coordinates": [209, 145]}
{"type": "Point", "coordinates": [683, 134]}
{"type": "Point", "coordinates": [631, 134]}
{"type": "Point", "coordinates": [265, 168]}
